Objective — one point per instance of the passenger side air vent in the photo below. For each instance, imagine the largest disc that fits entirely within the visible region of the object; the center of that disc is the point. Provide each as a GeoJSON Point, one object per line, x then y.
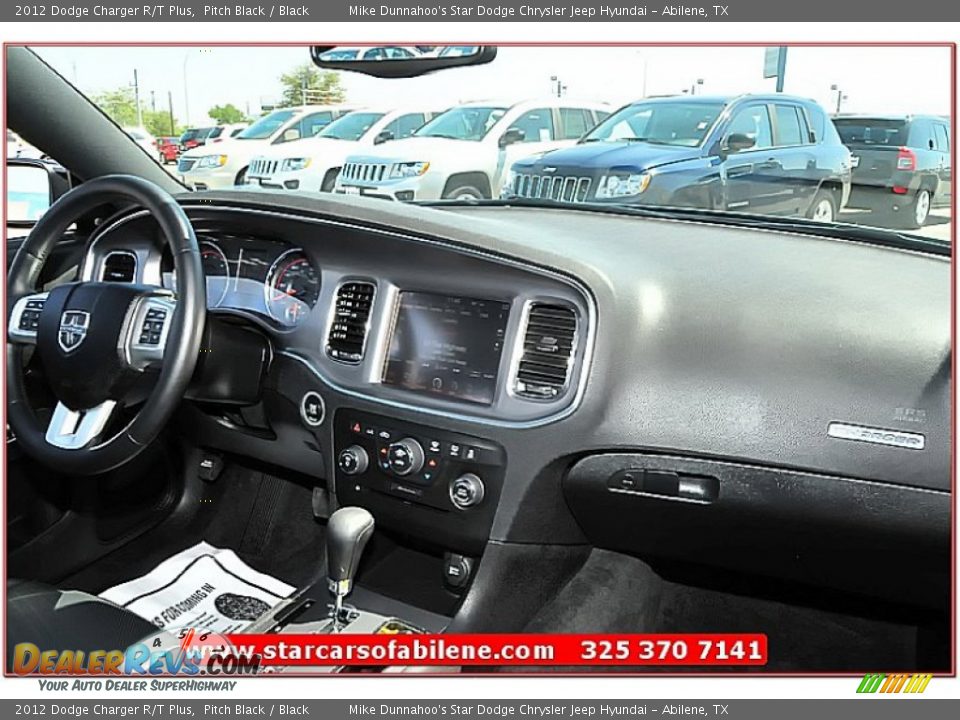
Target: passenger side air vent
{"type": "Point", "coordinates": [348, 331]}
{"type": "Point", "coordinates": [548, 347]}
{"type": "Point", "coordinates": [119, 267]}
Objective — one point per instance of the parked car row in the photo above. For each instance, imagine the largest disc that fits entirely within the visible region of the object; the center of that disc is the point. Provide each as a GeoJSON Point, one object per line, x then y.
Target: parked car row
{"type": "Point", "coordinates": [313, 163]}
{"type": "Point", "coordinates": [768, 154]}
{"type": "Point", "coordinates": [225, 162]}
{"type": "Point", "coordinates": [197, 136]}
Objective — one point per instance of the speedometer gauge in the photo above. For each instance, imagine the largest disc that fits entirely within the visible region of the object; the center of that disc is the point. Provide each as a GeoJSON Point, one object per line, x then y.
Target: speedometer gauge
{"type": "Point", "coordinates": [216, 271]}
{"type": "Point", "coordinates": [292, 288]}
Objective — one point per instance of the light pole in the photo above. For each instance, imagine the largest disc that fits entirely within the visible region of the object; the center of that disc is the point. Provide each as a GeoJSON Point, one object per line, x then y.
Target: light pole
{"type": "Point", "coordinates": [643, 58]}
{"type": "Point", "coordinates": [840, 96]}
{"type": "Point", "coordinates": [136, 97]}
{"type": "Point", "coordinates": [186, 95]}
{"type": "Point", "coordinates": [557, 86]}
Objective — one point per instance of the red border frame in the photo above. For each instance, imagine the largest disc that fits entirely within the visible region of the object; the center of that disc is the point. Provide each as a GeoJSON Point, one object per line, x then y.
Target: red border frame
{"type": "Point", "coordinates": [952, 46]}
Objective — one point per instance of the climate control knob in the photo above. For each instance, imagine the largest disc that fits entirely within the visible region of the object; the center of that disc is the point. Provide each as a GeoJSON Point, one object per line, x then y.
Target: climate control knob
{"type": "Point", "coordinates": [405, 457]}
{"type": "Point", "coordinates": [466, 491]}
{"type": "Point", "coordinates": [352, 460]}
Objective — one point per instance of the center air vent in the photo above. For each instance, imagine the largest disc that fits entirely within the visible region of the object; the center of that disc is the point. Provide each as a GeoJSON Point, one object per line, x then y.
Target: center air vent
{"type": "Point", "coordinates": [119, 266]}
{"type": "Point", "coordinates": [348, 331]}
{"type": "Point", "coordinates": [548, 347]}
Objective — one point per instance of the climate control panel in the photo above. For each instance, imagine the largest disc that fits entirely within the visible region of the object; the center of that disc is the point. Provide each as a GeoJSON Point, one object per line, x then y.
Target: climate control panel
{"type": "Point", "coordinates": [444, 484]}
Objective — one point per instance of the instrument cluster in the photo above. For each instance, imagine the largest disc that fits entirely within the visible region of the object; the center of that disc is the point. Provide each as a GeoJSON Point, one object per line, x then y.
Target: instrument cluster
{"type": "Point", "coordinates": [269, 278]}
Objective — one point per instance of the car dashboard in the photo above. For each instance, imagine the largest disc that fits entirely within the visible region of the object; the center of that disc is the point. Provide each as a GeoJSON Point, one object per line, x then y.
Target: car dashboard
{"type": "Point", "coordinates": [684, 391]}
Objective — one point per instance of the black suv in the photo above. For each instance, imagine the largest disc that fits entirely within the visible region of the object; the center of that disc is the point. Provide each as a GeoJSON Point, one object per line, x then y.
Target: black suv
{"type": "Point", "coordinates": [767, 154]}
{"type": "Point", "coordinates": [901, 164]}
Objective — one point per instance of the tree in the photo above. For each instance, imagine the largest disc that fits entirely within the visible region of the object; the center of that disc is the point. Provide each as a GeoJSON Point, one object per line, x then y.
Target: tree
{"type": "Point", "coordinates": [307, 84]}
{"type": "Point", "coordinates": [157, 123]}
{"type": "Point", "coordinates": [224, 114]}
{"type": "Point", "coordinates": [121, 106]}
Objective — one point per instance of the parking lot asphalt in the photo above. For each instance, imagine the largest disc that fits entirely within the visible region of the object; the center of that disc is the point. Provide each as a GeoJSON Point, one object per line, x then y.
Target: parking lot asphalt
{"type": "Point", "coordinates": [938, 226]}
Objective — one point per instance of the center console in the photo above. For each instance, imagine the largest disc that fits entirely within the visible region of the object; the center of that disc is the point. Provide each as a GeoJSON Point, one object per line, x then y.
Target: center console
{"type": "Point", "coordinates": [419, 480]}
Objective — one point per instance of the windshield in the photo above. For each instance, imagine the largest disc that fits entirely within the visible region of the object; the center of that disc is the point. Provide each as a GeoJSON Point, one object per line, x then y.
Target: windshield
{"type": "Point", "coordinates": [350, 127]}
{"type": "Point", "coordinates": [619, 127]}
{"type": "Point", "coordinates": [463, 123]}
{"type": "Point", "coordinates": [266, 126]}
{"type": "Point", "coordinates": [684, 124]}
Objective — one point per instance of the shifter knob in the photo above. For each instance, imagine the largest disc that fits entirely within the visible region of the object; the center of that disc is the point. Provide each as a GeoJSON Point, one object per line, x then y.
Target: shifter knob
{"type": "Point", "coordinates": [348, 531]}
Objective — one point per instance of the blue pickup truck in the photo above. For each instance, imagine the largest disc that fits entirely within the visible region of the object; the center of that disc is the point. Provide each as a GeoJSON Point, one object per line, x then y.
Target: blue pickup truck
{"type": "Point", "coordinates": [764, 154]}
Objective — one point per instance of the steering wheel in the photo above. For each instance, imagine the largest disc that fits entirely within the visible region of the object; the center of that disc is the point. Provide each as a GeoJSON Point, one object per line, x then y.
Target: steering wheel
{"type": "Point", "coordinates": [95, 339]}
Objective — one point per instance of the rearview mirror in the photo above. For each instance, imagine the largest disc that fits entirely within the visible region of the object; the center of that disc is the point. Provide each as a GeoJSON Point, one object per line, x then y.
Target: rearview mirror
{"type": "Point", "coordinates": [512, 136]}
{"type": "Point", "coordinates": [30, 192]}
{"type": "Point", "coordinates": [738, 142]}
{"type": "Point", "coordinates": [385, 136]}
{"type": "Point", "coordinates": [291, 134]}
{"type": "Point", "coordinates": [399, 61]}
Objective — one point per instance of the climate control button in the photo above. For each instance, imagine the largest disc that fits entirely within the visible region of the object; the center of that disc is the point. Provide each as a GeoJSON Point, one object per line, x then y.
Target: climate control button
{"type": "Point", "coordinates": [352, 460]}
{"type": "Point", "coordinates": [466, 491]}
{"type": "Point", "coordinates": [405, 457]}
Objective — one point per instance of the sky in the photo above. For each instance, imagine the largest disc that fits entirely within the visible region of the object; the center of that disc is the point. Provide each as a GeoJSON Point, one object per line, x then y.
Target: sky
{"type": "Point", "coordinates": [873, 80]}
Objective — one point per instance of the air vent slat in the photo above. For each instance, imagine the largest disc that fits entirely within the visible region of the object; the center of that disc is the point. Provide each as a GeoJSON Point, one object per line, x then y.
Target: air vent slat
{"type": "Point", "coordinates": [548, 346]}
{"type": "Point", "coordinates": [119, 267]}
{"type": "Point", "coordinates": [348, 331]}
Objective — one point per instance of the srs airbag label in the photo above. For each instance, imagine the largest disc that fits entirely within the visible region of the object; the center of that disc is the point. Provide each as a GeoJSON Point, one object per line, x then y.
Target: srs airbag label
{"type": "Point", "coordinates": [877, 436]}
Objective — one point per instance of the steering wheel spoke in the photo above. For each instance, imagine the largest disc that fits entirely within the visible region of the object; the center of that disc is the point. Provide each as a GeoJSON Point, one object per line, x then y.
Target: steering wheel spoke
{"type": "Point", "coordinates": [25, 319]}
{"type": "Point", "coordinates": [146, 329]}
{"type": "Point", "coordinates": [77, 429]}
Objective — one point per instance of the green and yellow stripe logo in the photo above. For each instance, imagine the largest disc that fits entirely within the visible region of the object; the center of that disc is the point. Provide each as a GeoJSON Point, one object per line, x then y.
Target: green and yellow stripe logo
{"type": "Point", "coordinates": [898, 683]}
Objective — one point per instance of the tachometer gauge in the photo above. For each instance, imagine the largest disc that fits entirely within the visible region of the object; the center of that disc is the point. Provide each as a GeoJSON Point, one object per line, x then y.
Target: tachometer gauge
{"type": "Point", "coordinates": [216, 271]}
{"type": "Point", "coordinates": [292, 288]}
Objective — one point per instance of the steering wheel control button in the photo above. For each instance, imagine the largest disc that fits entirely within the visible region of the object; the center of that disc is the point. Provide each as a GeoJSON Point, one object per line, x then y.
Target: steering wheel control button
{"type": "Point", "coordinates": [151, 329]}
{"type": "Point", "coordinates": [30, 317]}
{"type": "Point", "coordinates": [405, 457]}
{"type": "Point", "coordinates": [312, 408]}
{"type": "Point", "coordinates": [353, 460]}
{"type": "Point", "coordinates": [467, 491]}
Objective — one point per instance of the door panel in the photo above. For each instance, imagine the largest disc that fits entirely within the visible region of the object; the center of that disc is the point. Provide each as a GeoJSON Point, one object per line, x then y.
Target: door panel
{"type": "Point", "coordinates": [746, 175]}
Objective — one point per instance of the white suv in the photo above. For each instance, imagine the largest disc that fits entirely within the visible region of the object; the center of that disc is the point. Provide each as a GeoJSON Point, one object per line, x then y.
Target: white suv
{"type": "Point", "coordinates": [467, 151]}
{"type": "Point", "coordinates": [224, 164]}
{"type": "Point", "coordinates": [312, 164]}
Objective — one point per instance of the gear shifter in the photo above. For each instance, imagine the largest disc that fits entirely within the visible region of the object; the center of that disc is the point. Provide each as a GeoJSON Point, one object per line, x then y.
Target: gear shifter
{"type": "Point", "coordinates": [348, 531]}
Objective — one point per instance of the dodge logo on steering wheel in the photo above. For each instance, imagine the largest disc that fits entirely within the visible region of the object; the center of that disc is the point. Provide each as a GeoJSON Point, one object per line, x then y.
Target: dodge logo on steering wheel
{"type": "Point", "coordinates": [73, 329]}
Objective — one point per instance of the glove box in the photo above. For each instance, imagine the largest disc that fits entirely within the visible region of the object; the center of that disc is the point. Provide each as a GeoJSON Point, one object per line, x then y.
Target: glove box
{"type": "Point", "coordinates": [877, 539]}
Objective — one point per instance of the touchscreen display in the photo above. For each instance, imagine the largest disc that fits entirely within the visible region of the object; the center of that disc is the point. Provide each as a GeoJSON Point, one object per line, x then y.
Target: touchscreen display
{"type": "Point", "coordinates": [448, 346]}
